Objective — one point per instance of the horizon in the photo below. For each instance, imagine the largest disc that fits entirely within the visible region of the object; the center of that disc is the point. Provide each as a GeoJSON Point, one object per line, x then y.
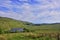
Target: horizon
{"type": "Point", "coordinates": [34, 11]}
{"type": "Point", "coordinates": [31, 22]}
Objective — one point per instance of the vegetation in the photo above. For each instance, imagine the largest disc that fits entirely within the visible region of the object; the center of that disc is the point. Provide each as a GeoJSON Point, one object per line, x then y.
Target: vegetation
{"type": "Point", "coordinates": [31, 31]}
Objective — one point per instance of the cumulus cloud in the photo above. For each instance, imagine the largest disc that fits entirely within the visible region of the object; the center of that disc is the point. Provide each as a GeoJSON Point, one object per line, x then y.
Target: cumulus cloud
{"type": "Point", "coordinates": [36, 11]}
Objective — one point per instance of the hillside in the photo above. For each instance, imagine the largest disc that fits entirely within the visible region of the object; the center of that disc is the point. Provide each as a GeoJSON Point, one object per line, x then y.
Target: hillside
{"type": "Point", "coordinates": [34, 32]}
{"type": "Point", "coordinates": [8, 23]}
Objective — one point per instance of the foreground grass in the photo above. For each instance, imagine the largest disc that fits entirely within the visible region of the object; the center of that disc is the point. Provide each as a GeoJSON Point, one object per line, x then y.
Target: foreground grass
{"type": "Point", "coordinates": [30, 36]}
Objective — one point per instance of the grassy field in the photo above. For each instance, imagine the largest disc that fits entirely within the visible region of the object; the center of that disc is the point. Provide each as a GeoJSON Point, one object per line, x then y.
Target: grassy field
{"type": "Point", "coordinates": [35, 32]}
{"type": "Point", "coordinates": [30, 36]}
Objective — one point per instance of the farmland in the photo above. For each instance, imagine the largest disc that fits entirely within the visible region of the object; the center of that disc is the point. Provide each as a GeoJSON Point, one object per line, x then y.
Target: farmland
{"type": "Point", "coordinates": [33, 32]}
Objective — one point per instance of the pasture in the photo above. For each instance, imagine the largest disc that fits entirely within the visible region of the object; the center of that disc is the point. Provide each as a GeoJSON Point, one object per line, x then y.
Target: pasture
{"type": "Point", "coordinates": [31, 31]}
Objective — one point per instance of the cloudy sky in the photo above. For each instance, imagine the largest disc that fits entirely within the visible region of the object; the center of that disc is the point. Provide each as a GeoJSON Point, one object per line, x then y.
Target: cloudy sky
{"type": "Point", "coordinates": [35, 11]}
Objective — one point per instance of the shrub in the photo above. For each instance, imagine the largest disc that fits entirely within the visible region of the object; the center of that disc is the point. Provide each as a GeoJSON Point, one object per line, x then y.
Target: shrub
{"type": "Point", "coordinates": [1, 31]}
{"type": "Point", "coordinates": [26, 30]}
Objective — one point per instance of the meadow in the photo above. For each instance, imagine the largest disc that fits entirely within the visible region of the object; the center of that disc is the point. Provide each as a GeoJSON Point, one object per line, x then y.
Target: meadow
{"type": "Point", "coordinates": [33, 32]}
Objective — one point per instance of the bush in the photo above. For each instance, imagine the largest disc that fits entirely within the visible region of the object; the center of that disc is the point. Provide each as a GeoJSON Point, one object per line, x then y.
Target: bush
{"type": "Point", "coordinates": [1, 31]}
{"type": "Point", "coordinates": [26, 30]}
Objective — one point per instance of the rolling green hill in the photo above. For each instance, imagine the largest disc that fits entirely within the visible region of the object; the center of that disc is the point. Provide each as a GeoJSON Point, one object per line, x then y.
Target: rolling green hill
{"type": "Point", "coordinates": [8, 23]}
{"type": "Point", "coordinates": [36, 31]}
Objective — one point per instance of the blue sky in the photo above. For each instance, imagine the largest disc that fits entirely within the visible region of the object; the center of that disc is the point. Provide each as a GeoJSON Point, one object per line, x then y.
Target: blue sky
{"type": "Point", "coordinates": [35, 11]}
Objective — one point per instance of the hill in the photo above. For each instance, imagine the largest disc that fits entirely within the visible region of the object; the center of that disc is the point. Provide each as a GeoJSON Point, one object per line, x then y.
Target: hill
{"type": "Point", "coordinates": [8, 23]}
{"type": "Point", "coordinates": [34, 32]}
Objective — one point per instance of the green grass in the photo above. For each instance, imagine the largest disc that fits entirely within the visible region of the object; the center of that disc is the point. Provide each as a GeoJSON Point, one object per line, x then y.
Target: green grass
{"type": "Point", "coordinates": [29, 36]}
{"type": "Point", "coordinates": [34, 30]}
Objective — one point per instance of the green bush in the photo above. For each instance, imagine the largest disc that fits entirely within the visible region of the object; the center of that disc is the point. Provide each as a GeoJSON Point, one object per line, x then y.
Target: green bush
{"type": "Point", "coordinates": [1, 31]}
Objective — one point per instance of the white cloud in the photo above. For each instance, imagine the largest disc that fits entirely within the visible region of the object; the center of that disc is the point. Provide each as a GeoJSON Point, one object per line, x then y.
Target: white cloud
{"type": "Point", "coordinates": [44, 13]}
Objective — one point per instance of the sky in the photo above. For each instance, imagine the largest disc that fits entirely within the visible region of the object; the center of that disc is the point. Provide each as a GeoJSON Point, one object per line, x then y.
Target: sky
{"type": "Point", "coordinates": [35, 11]}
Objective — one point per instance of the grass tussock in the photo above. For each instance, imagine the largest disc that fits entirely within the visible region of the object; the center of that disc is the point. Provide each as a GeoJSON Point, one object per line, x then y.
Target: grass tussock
{"type": "Point", "coordinates": [3, 38]}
